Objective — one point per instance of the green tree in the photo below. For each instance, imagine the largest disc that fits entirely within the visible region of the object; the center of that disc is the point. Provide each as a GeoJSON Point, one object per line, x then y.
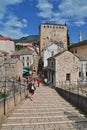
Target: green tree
{"type": "Point", "coordinates": [18, 47]}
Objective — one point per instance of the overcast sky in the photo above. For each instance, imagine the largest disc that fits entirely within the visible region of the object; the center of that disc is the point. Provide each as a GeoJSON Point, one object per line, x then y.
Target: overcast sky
{"type": "Point", "coordinates": [20, 18]}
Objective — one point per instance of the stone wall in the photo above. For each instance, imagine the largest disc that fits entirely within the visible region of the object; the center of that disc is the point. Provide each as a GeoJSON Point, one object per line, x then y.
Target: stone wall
{"type": "Point", "coordinates": [52, 32]}
{"type": "Point", "coordinates": [76, 99]}
{"type": "Point", "coordinates": [67, 63]}
{"type": "Point", "coordinates": [80, 49]}
{"type": "Point", "coordinates": [8, 104]}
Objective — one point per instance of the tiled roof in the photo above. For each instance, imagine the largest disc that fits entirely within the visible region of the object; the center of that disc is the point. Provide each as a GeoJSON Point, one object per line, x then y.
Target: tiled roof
{"type": "Point", "coordinates": [59, 53]}
{"type": "Point", "coordinates": [24, 51]}
{"type": "Point", "coordinates": [78, 44]}
{"type": "Point", "coordinates": [81, 58]}
{"type": "Point", "coordinates": [5, 38]}
{"type": "Point", "coordinates": [10, 61]}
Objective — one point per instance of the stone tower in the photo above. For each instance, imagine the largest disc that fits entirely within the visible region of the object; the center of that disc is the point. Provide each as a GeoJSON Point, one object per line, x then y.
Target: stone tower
{"type": "Point", "coordinates": [50, 32]}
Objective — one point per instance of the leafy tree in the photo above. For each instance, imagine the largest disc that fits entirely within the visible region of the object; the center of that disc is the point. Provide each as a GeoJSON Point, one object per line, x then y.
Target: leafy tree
{"type": "Point", "coordinates": [18, 47]}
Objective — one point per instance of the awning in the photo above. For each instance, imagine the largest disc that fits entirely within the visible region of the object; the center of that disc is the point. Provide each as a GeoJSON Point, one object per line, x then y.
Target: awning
{"type": "Point", "coordinates": [26, 70]}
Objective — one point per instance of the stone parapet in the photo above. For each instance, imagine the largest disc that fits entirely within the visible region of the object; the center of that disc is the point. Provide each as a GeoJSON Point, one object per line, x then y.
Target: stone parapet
{"type": "Point", "coordinates": [8, 104]}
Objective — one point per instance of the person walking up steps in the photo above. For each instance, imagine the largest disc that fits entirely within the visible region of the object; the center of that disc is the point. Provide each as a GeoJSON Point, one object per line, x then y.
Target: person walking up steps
{"type": "Point", "coordinates": [31, 90]}
{"type": "Point", "coordinates": [38, 82]}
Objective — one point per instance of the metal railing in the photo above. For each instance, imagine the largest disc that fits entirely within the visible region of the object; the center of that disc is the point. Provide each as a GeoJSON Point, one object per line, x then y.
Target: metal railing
{"type": "Point", "coordinates": [74, 87]}
{"type": "Point", "coordinates": [10, 87]}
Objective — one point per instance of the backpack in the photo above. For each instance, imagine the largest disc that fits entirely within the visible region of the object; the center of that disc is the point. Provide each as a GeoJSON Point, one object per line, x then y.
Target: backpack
{"type": "Point", "coordinates": [33, 87]}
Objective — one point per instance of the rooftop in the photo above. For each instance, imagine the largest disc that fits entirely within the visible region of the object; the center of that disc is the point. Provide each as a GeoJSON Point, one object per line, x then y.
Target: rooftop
{"type": "Point", "coordinates": [78, 44]}
{"type": "Point", "coordinates": [5, 38]}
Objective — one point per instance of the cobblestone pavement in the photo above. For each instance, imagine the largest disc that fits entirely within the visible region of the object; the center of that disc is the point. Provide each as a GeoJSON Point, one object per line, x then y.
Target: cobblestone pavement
{"type": "Point", "coordinates": [47, 111]}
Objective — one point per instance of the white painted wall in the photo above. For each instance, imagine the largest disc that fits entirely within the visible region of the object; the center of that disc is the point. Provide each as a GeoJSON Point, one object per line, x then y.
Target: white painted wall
{"type": "Point", "coordinates": [83, 70]}
{"type": "Point", "coordinates": [28, 59]}
{"type": "Point", "coordinates": [47, 52]}
{"type": "Point", "coordinates": [7, 46]}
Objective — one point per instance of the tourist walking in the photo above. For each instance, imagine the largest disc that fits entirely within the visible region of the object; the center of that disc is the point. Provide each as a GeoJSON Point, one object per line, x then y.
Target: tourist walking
{"type": "Point", "coordinates": [31, 90]}
{"type": "Point", "coordinates": [45, 81]}
{"type": "Point", "coordinates": [38, 82]}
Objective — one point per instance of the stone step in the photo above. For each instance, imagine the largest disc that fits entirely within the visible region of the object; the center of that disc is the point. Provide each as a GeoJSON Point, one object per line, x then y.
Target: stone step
{"type": "Point", "coordinates": [55, 126]}
{"type": "Point", "coordinates": [41, 122]}
{"type": "Point", "coordinates": [47, 113]}
{"type": "Point", "coordinates": [47, 101]}
{"type": "Point", "coordinates": [39, 105]}
{"type": "Point", "coordinates": [47, 109]}
{"type": "Point", "coordinates": [45, 120]}
{"type": "Point", "coordinates": [45, 116]}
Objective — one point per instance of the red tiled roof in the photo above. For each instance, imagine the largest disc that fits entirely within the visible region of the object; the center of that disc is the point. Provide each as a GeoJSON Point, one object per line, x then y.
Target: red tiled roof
{"type": "Point", "coordinates": [5, 38]}
{"type": "Point", "coordinates": [28, 45]}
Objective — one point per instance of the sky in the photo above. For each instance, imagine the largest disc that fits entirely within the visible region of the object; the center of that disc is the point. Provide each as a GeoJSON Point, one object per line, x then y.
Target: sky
{"type": "Point", "coordinates": [20, 18]}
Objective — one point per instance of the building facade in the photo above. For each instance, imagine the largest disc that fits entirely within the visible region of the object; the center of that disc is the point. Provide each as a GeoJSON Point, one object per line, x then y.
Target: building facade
{"type": "Point", "coordinates": [13, 68]}
{"type": "Point", "coordinates": [63, 68]}
{"type": "Point", "coordinates": [7, 45]}
{"type": "Point", "coordinates": [79, 48]}
{"type": "Point", "coordinates": [25, 55]}
{"type": "Point", "coordinates": [35, 61]}
{"type": "Point", "coordinates": [50, 51]}
{"type": "Point", "coordinates": [4, 55]}
{"type": "Point", "coordinates": [83, 69]}
{"type": "Point", "coordinates": [50, 32]}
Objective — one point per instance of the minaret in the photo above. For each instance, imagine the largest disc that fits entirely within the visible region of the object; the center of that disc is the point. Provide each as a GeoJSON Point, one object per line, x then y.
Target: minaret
{"type": "Point", "coordinates": [80, 36]}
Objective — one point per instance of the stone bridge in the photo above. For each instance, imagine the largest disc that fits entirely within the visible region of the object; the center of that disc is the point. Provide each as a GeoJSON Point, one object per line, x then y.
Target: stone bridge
{"type": "Point", "coordinates": [47, 111]}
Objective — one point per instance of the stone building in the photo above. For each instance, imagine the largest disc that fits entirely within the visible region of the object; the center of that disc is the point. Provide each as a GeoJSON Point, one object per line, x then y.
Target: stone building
{"type": "Point", "coordinates": [63, 68]}
{"type": "Point", "coordinates": [79, 48]}
{"type": "Point", "coordinates": [4, 55]}
{"type": "Point", "coordinates": [25, 55]}
{"type": "Point", "coordinates": [50, 51]}
{"type": "Point", "coordinates": [6, 44]}
{"type": "Point", "coordinates": [13, 68]}
{"type": "Point", "coordinates": [35, 60]}
{"type": "Point", "coordinates": [50, 32]}
{"type": "Point", "coordinates": [83, 69]}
